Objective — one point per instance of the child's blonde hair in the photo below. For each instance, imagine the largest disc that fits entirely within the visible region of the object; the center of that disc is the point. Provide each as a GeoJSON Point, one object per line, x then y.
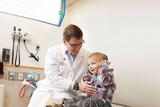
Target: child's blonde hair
{"type": "Point", "coordinates": [98, 56]}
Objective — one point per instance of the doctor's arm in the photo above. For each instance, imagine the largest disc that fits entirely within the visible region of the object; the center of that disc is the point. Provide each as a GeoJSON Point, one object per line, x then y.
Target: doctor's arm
{"type": "Point", "coordinates": [87, 88]}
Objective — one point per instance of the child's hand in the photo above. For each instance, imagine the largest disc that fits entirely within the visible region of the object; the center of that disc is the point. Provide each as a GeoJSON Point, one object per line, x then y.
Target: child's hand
{"type": "Point", "coordinates": [104, 64]}
{"type": "Point", "coordinates": [108, 62]}
{"type": "Point", "coordinates": [86, 77]}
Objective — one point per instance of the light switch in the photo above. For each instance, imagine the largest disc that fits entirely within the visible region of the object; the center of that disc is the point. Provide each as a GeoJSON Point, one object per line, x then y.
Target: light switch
{"type": "Point", "coordinates": [36, 77]}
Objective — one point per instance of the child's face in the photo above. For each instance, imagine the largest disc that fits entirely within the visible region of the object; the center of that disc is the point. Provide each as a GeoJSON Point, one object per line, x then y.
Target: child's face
{"type": "Point", "coordinates": [93, 66]}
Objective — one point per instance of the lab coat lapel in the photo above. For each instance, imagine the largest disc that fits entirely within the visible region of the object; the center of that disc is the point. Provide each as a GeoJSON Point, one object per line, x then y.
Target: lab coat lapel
{"type": "Point", "coordinates": [66, 61]}
{"type": "Point", "coordinates": [77, 60]}
{"type": "Point", "coordinates": [65, 57]}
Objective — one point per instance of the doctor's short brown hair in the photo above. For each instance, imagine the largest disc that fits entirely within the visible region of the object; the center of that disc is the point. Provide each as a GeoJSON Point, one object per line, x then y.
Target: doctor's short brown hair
{"type": "Point", "coordinates": [72, 31]}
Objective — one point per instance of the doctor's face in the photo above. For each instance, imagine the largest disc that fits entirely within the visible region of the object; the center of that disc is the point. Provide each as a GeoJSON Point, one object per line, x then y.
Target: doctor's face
{"type": "Point", "coordinates": [74, 45]}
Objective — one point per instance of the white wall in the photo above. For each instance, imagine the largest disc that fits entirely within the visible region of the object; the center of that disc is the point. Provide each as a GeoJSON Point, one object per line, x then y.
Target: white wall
{"type": "Point", "coordinates": [128, 31]}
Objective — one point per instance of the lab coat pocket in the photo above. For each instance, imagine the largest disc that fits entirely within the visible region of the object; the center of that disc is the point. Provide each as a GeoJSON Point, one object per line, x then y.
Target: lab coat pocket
{"type": "Point", "coordinates": [65, 71]}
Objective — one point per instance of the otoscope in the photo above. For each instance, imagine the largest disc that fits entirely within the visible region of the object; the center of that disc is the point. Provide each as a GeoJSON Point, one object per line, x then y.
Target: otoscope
{"type": "Point", "coordinates": [13, 43]}
{"type": "Point", "coordinates": [18, 50]}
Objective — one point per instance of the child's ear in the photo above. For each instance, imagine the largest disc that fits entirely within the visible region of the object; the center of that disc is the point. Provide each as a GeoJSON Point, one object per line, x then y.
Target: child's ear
{"type": "Point", "coordinates": [105, 57]}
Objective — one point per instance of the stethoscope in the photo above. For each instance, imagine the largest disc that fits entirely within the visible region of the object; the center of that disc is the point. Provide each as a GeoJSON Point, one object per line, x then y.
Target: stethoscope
{"type": "Point", "coordinates": [18, 48]}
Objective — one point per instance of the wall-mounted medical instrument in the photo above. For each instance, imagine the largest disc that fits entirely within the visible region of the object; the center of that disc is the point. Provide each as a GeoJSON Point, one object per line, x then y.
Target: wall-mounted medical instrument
{"type": "Point", "coordinates": [31, 54]}
{"type": "Point", "coordinates": [22, 35]}
{"type": "Point", "coordinates": [18, 36]}
{"type": "Point", "coordinates": [18, 50]}
{"type": "Point", "coordinates": [14, 33]}
{"type": "Point", "coordinates": [5, 55]}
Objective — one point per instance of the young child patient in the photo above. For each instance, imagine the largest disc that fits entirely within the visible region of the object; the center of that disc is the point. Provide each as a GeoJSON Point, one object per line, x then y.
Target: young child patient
{"type": "Point", "coordinates": [101, 76]}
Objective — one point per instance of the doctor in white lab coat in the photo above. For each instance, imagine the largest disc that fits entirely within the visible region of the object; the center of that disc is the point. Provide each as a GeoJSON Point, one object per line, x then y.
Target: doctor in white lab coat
{"type": "Point", "coordinates": [65, 66]}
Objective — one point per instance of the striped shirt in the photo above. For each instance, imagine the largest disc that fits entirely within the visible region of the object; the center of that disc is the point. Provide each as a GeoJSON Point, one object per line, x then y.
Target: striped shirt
{"type": "Point", "coordinates": [104, 81]}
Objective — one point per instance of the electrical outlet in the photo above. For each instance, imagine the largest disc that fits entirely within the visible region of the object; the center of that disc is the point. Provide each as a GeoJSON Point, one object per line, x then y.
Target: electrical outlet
{"type": "Point", "coordinates": [20, 76]}
{"type": "Point", "coordinates": [37, 47]}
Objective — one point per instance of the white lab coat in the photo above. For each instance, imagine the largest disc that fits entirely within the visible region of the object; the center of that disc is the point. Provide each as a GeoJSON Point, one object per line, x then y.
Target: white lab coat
{"type": "Point", "coordinates": [59, 75]}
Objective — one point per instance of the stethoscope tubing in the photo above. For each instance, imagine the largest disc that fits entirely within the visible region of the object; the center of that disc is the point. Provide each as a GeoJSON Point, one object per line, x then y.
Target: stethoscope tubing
{"type": "Point", "coordinates": [13, 49]}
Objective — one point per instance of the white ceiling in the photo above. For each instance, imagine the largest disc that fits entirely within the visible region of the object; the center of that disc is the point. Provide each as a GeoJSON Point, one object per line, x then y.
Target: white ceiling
{"type": "Point", "coordinates": [70, 2]}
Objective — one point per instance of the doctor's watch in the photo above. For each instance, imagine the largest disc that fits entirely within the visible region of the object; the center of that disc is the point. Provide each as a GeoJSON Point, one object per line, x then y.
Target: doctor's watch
{"type": "Point", "coordinates": [76, 87]}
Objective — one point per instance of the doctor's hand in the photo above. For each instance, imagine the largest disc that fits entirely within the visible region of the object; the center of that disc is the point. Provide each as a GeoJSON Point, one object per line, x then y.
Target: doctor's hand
{"type": "Point", "coordinates": [87, 88]}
